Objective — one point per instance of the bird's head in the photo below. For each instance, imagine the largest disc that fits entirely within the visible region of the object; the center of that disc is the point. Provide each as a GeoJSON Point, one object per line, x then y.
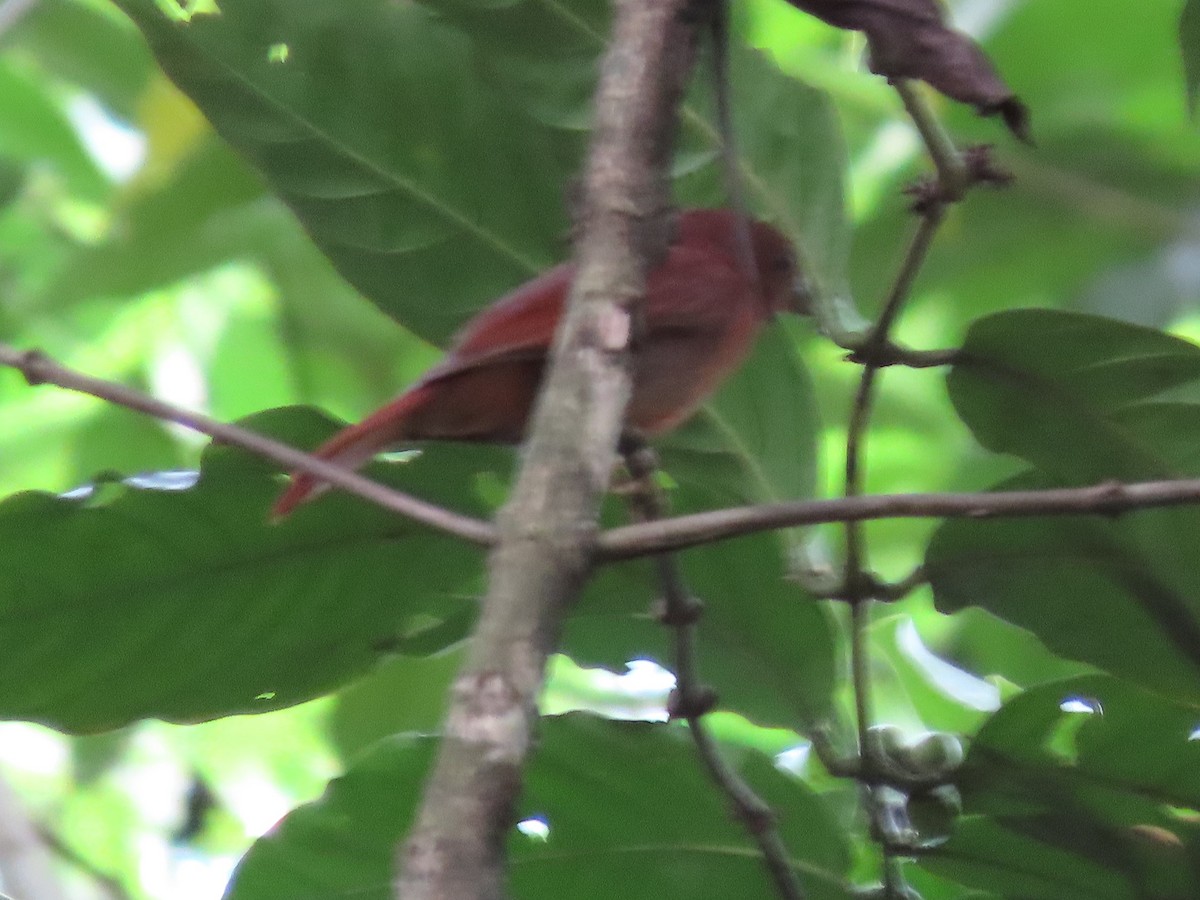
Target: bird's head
{"type": "Point", "coordinates": [783, 284]}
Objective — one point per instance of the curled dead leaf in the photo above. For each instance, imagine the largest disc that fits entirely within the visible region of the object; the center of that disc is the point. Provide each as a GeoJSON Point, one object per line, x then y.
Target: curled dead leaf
{"type": "Point", "coordinates": [910, 39]}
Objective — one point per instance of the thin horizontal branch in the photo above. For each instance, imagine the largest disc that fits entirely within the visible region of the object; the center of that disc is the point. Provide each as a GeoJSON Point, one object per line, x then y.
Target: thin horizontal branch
{"type": "Point", "coordinates": [1109, 498]}
{"type": "Point", "coordinates": [644, 539]}
{"type": "Point", "coordinates": [41, 369]}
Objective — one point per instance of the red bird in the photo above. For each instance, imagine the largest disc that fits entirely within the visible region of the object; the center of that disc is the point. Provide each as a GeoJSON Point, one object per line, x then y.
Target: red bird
{"type": "Point", "coordinates": [702, 314]}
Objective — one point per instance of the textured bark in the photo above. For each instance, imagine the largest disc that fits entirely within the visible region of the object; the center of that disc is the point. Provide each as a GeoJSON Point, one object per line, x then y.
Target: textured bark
{"type": "Point", "coordinates": [547, 531]}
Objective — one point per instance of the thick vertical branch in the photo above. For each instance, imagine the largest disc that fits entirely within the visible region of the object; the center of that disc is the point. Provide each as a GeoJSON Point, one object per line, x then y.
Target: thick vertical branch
{"type": "Point", "coordinates": [547, 531]}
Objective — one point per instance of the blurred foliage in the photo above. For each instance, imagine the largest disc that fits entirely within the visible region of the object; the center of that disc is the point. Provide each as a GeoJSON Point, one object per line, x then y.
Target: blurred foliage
{"type": "Point", "coordinates": [310, 200]}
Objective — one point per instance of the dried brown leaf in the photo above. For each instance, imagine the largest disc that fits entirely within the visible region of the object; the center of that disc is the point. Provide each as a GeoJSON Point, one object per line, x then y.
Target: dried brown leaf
{"type": "Point", "coordinates": [910, 39]}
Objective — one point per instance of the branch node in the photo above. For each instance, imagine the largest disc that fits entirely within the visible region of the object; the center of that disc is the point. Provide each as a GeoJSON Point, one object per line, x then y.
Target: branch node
{"type": "Point", "coordinates": [1112, 498]}
{"type": "Point", "coordinates": [983, 169]}
{"type": "Point", "coordinates": [932, 194]}
{"type": "Point", "coordinates": [32, 364]}
{"type": "Point", "coordinates": [692, 703]}
{"type": "Point", "coordinates": [859, 586]}
{"type": "Point", "coordinates": [679, 611]}
{"type": "Point", "coordinates": [756, 816]}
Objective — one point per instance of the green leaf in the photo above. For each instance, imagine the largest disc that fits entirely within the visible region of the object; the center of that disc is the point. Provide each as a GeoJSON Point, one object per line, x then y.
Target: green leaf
{"type": "Point", "coordinates": [626, 804]}
{"type": "Point", "coordinates": [987, 645]}
{"type": "Point", "coordinates": [1063, 803]}
{"type": "Point", "coordinates": [407, 694]}
{"type": "Point", "coordinates": [186, 604]}
{"type": "Point", "coordinates": [92, 45]}
{"type": "Point", "coordinates": [369, 129]}
{"type": "Point", "coordinates": [541, 54]}
{"type": "Point", "coordinates": [36, 130]}
{"type": "Point", "coordinates": [1083, 399]}
{"type": "Point", "coordinates": [1189, 43]}
{"type": "Point", "coordinates": [756, 440]}
{"type": "Point", "coordinates": [209, 211]}
{"type": "Point", "coordinates": [791, 152]}
{"type": "Point", "coordinates": [1121, 595]}
{"type": "Point", "coordinates": [392, 210]}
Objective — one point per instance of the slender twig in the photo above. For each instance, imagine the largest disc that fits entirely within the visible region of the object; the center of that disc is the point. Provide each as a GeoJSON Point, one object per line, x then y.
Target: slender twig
{"type": "Point", "coordinates": [860, 678]}
{"type": "Point", "coordinates": [40, 369]}
{"type": "Point", "coordinates": [860, 593]}
{"type": "Point", "coordinates": [898, 590]}
{"type": "Point", "coordinates": [888, 354]}
{"type": "Point", "coordinates": [1106, 499]}
{"type": "Point", "coordinates": [680, 532]}
{"type": "Point", "coordinates": [879, 338]}
{"type": "Point", "coordinates": [951, 167]}
{"type": "Point", "coordinates": [691, 699]}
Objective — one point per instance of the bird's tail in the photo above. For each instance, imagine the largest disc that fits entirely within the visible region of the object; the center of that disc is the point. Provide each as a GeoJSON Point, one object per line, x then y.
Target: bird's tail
{"type": "Point", "coordinates": [353, 446]}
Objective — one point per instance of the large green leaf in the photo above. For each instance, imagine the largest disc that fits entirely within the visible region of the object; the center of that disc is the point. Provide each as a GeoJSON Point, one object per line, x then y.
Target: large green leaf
{"type": "Point", "coordinates": [791, 153]}
{"type": "Point", "coordinates": [1121, 595]}
{"type": "Point", "coordinates": [369, 127]}
{"type": "Point", "coordinates": [384, 165]}
{"type": "Point", "coordinates": [185, 604]}
{"type": "Point", "coordinates": [1084, 400]}
{"type": "Point", "coordinates": [1065, 803]}
{"type": "Point", "coordinates": [627, 805]}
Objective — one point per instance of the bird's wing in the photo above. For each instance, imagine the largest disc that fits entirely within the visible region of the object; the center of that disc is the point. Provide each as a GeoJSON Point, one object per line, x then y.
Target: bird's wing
{"type": "Point", "coordinates": [518, 326]}
{"type": "Point", "coordinates": [698, 289]}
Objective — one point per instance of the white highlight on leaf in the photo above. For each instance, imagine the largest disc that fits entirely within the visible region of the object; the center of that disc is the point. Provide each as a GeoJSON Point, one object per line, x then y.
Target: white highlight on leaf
{"type": "Point", "coordinates": [117, 149]}
{"type": "Point", "coordinates": [535, 827]}
{"type": "Point", "coordinates": [956, 683]}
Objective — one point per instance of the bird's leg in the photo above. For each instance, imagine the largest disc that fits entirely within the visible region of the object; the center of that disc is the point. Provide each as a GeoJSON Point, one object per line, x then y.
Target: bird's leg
{"type": "Point", "coordinates": [636, 483]}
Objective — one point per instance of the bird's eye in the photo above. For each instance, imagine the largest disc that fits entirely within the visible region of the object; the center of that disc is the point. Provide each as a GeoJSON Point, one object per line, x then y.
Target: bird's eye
{"type": "Point", "coordinates": [781, 264]}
